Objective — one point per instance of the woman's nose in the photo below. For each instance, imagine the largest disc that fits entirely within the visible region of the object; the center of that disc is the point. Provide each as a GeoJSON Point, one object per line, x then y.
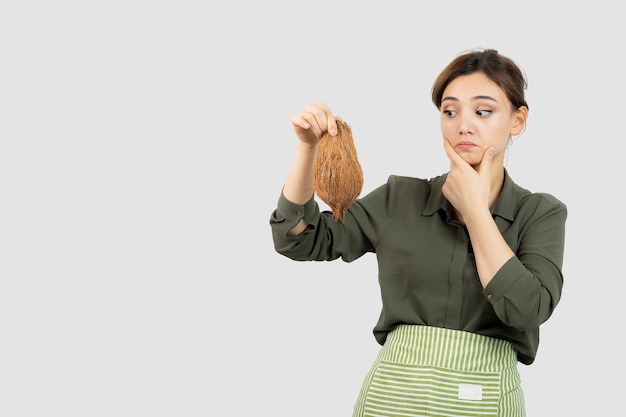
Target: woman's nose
{"type": "Point", "coordinates": [464, 127]}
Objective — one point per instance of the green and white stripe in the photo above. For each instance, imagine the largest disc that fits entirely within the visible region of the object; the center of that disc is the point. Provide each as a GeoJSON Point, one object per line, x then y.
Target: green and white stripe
{"type": "Point", "coordinates": [436, 372]}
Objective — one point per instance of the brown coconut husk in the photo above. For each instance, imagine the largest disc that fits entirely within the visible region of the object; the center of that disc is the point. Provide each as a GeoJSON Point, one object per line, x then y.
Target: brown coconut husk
{"type": "Point", "coordinates": [337, 174]}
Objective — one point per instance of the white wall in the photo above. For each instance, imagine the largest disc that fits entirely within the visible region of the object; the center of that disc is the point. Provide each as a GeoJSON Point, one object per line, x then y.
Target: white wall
{"type": "Point", "coordinates": [144, 146]}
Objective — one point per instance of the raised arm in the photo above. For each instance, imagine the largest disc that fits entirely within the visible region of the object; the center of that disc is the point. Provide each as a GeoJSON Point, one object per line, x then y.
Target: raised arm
{"type": "Point", "coordinates": [309, 125]}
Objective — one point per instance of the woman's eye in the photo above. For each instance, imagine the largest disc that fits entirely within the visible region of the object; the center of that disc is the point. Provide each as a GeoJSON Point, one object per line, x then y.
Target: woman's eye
{"type": "Point", "coordinates": [483, 112]}
{"type": "Point", "coordinates": [449, 113]}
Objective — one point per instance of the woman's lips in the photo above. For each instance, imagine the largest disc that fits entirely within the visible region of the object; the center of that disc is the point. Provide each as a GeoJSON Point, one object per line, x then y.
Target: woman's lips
{"type": "Point", "coordinates": [465, 145]}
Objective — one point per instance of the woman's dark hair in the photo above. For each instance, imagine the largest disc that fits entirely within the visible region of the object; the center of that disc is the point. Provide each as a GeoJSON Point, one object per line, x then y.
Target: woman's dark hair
{"type": "Point", "coordinates": [501, 70]}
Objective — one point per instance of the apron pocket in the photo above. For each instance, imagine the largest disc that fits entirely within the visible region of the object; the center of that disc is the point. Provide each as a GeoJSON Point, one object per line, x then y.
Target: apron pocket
{"type": "Point", "coordinates": [398, 389]}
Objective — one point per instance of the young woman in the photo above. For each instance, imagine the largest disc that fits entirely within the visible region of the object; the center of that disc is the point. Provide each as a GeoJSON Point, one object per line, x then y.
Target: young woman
{"type": "Point", "coordinates": [469, 262]}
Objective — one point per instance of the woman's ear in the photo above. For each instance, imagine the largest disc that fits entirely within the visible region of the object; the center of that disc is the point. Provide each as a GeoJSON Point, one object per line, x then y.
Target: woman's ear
{"type": "Point", "coordinates": [519, 121]}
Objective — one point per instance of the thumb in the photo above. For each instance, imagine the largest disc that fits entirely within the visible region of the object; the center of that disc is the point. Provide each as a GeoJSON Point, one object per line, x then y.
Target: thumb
{"type": "Point", "coordinates": [485, 163]}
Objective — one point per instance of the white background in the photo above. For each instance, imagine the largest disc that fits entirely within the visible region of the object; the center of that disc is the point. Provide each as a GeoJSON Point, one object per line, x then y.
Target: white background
{"type": "Point", "coordinates": [143, 146]}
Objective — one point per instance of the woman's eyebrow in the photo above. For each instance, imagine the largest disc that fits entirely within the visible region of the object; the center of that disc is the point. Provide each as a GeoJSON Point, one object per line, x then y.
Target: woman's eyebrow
{"type": "Point", "coordinates": [484, 98]}
{"type": "Point", "coordinates": [451, 98]}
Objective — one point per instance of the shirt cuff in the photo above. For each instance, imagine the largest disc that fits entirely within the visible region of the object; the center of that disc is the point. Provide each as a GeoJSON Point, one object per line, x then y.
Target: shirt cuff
{"type": "Point", "coordinates": [505, 278]}
{"type": "Point", "coordinates": [287, 214]}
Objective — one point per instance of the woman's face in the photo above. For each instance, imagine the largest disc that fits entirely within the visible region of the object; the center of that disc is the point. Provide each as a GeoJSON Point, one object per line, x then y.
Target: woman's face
{"type": "Point", "coordinates": [476, 114]}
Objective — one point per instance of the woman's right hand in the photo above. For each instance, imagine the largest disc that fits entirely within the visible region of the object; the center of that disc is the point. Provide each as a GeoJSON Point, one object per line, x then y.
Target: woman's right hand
{"type": "Point", "coordinates": [313, 122]}
{"type": "Point", "coordinates": [310, 126]}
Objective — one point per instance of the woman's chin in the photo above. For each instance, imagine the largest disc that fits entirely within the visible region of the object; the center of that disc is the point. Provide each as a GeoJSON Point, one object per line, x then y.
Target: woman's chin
{"type": "Point", "coordinates": [473, 160]}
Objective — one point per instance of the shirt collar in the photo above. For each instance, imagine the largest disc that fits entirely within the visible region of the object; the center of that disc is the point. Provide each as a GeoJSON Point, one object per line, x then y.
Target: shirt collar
{"type": "Point", "coordinates": [503, 207]}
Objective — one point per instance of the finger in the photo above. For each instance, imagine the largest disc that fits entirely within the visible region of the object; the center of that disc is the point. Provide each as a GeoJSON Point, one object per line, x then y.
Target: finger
{"type": "Point", "coordinates": [485, 162]}
{"type": "Point", "coordinates": [454, 157]}
{"type": "Point", "coordinates": [325, 117]}
{"type": "Point", "coordinates": [331, 120]}
{"type": "Point", "coordinates": [299, 121]}
{"type": "Point", "coordinates": [315, 120]}
{"type": "Point", "coordinates": [332, 126]}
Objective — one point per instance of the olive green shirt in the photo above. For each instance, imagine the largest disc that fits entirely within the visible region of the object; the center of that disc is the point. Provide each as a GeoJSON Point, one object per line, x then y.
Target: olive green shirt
{"type": "Point", "coordinates": [426, 267]}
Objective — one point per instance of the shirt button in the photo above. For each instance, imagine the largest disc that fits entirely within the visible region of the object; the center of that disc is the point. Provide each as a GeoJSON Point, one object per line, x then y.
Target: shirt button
{"type": "Point", "coordinates": [488, 296]}
{"type": "Point", "coordinates": [299, 213]}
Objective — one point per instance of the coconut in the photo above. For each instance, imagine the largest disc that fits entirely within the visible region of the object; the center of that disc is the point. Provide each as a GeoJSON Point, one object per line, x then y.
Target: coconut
{"type": "Point", "coordinates": [337, 174]}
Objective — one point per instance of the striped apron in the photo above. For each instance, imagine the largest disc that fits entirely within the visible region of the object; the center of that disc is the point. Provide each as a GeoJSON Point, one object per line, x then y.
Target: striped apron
{"type": "Point", "coordinates": [435, 372]}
